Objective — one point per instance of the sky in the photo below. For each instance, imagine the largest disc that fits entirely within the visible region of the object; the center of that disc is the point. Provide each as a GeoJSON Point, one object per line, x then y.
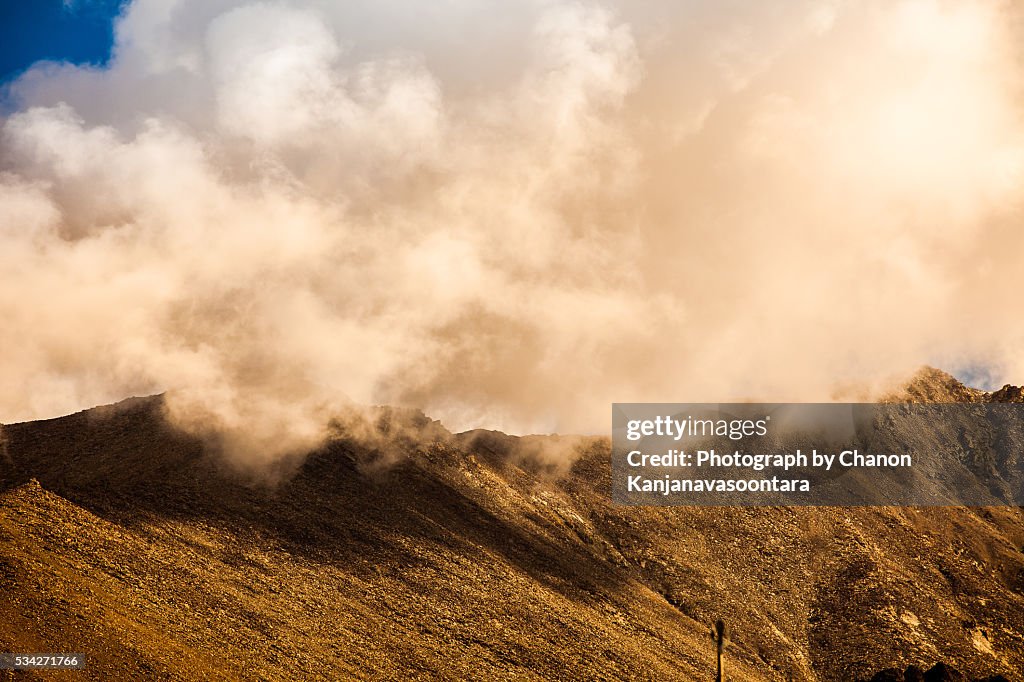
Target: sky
{"type": "Point", "coordinates": [80, 32]}
{"type": "Point", "coordinates": [507, 213]}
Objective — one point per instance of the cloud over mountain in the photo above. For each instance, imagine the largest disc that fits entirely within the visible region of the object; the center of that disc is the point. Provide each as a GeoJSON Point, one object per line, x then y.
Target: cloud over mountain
{"type": "Point", "coordinates": [508, 214]}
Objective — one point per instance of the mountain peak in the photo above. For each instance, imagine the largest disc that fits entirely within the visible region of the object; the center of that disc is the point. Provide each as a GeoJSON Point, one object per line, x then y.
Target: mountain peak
{"type": "Point", "coordinates": [931, 385]}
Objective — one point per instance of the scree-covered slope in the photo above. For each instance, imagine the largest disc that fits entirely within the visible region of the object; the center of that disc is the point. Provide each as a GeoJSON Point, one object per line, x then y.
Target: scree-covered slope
{"type": "Point", "coordinates": [471, 556]}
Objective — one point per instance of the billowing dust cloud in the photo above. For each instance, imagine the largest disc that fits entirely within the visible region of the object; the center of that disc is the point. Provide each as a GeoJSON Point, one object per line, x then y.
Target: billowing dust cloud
{"type": "Point", "coordinates": [509, 214]}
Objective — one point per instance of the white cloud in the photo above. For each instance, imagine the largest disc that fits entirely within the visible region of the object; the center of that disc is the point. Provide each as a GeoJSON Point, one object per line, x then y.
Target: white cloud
{"type": "Point", "coordinates": [508, 214]}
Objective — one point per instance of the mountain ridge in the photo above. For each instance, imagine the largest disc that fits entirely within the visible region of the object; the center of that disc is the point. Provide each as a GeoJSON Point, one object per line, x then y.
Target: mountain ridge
{"type": "Point", "coordinates": [472, 556]}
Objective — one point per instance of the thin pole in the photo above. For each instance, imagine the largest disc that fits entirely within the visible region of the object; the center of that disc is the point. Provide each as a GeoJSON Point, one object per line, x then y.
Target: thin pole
{"type": "Point", "coordinates": [720, 635]}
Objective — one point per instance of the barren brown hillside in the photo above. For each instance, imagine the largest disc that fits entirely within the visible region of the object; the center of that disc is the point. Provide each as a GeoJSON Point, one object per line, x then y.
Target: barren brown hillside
{"type": "Point", "coordinates": [471, 557]}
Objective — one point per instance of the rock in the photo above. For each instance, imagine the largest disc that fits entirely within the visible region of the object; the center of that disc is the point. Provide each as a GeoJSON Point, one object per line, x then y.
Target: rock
{"type": "Point", "coordinates": [1008, 394]}
{"type": "Point", "coordinates": [940, 672]}
{"type": "Point", "coordinates": [913, 674]}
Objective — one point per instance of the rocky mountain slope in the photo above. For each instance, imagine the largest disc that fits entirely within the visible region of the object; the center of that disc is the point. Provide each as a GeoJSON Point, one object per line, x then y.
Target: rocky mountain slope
{"type": "Point", "coordinates": [471, 556]}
